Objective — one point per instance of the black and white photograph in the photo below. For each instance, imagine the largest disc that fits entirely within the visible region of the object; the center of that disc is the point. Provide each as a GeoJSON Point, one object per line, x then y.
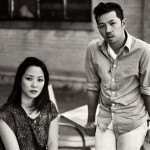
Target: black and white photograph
{"type": "Point", "coordinates": [74, 74]}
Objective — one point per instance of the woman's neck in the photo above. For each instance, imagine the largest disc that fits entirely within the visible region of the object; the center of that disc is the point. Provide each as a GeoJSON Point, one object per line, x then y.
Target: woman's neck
{"type": "Point", "coordinates": [26, 101]}
{"type": "Point", "coordinates": [27, 106]}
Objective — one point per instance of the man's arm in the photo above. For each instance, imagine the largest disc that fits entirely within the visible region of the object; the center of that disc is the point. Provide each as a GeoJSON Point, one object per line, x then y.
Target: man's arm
{"type": "Point", "coordinates": [93, 87]}
{"type": "Point", "coordinates": [92, 102]}
{"type": "Point", "coordinates": [147, 104]}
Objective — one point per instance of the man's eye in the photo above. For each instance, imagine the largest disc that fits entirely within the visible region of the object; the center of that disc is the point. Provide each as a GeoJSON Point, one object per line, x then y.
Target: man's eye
{"type": "Point", "coordinates": [101, 26]}
{"type": "Point", "coordinates": [112, 23]}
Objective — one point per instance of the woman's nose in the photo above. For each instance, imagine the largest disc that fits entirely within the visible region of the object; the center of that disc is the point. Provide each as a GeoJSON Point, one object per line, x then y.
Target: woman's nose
{"type": "Point", "coordinates": [34, 84]}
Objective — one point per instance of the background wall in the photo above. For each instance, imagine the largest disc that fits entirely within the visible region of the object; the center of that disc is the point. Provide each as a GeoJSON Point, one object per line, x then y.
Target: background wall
{"type": "Point", "coordinates": [63, 51]}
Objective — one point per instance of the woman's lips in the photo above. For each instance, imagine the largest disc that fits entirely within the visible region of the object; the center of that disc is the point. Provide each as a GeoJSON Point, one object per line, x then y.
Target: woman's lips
{"type": "Point", "coordinates": [33, 91]}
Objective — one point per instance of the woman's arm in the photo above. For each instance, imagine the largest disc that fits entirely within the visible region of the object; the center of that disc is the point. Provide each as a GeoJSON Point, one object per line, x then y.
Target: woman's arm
{"type": "Point", "coordinates": [8, 137]}
{"type": "Point", "coordinates": [53, 135]}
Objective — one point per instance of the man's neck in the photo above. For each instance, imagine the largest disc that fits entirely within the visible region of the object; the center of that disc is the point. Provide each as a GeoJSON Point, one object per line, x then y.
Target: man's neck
{"type": "Point", "coordinates": [118, 45]}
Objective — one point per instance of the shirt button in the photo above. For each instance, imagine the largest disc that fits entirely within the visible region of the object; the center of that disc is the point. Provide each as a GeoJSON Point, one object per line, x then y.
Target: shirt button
{"type": "Point", "coordinates": [114, 65]}
{"type": "Point", "coordinates": [113, 93]}
{"type": "Point", "coordinates": [113, 79]}
{"type": "Point", "coordinates": [112, 114]}
{"type": "Point", "coordinates": [113, 104]}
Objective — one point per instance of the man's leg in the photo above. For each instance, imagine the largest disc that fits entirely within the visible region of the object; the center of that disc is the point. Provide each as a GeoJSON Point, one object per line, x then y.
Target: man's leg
{"type": "Point", "coordinates": [132, 140]}
{"type": "Point", "coordinates": [105, 140]}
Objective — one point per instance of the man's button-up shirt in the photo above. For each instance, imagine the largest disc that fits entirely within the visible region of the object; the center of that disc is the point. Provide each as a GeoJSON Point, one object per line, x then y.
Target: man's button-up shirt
{"type": "Point", "coordinates": [120, 82]}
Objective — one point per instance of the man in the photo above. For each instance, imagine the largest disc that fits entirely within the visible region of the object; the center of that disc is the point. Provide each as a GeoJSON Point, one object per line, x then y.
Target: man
{"type": "Point", "coordinates": [118, 77]}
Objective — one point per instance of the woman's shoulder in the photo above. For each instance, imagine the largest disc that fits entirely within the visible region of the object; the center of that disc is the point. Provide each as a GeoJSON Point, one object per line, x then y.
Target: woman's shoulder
{"type": "Point", "coordinates": [51, 109]}
{"type": "Point", "coordinates": [7, 115]}
{"type": "Point", "coordinates": [50, 105]}
{"type": "Point", "coordinates": [6, 110]}
{"type": "Point", "coordinates": [9, 112]}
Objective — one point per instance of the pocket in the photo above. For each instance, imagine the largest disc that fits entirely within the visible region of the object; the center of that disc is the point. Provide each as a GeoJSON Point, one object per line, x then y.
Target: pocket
{"type": "Point", "coordinates": [125, 72]}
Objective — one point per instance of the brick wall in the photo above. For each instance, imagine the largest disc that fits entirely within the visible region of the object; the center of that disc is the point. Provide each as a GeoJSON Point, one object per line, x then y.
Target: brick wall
{"type": "Point", "coordinates": [146, 20]}
{"type": "Point", "coordinates": [64, 51]}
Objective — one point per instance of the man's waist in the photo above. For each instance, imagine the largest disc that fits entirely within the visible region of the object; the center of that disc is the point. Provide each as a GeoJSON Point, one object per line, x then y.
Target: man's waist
{"type": "Point", "coordinates": [123, 110]}
{"type": "Point", "coordinates": [123, 122]}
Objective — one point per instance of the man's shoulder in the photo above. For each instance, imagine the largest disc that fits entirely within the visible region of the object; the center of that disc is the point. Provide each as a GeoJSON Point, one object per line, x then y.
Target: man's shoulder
{"type": "Point", "coordinates": [96, 42]}
{"type": "Point", "coordinates": [140, 43]}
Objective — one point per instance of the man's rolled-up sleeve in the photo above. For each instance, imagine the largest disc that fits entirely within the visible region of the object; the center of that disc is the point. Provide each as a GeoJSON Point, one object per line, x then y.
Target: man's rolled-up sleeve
{"type": "Point", "coordinates": [145, 72]}
{"type": "Point", "coordinates": [92, 78]}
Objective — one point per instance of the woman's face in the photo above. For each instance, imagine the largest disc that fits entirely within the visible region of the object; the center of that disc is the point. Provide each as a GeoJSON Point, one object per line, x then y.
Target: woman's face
{"type": "Point", "coordinates": [32, 82]}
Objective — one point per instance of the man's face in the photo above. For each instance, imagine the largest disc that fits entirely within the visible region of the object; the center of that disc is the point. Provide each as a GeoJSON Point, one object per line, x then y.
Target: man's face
{"type": "Point", "coordinates": [111, 27]}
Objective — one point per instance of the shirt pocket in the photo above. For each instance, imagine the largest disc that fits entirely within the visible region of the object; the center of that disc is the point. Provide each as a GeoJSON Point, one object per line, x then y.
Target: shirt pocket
{"type": "Point", "coordinates": [127, 72]}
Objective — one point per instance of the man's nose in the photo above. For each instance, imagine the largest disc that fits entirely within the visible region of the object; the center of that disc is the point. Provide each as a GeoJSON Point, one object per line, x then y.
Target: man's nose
{"type": "Point", "coordinates": [108, 28]}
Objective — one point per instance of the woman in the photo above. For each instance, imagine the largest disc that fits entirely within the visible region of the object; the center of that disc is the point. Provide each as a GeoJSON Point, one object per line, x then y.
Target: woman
{"type": "Point", "coordinates": [29, 120]}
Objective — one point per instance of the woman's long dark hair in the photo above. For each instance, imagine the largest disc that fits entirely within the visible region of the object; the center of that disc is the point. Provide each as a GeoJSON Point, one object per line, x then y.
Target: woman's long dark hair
{"type": "Point", "coordinates": [15, 97]}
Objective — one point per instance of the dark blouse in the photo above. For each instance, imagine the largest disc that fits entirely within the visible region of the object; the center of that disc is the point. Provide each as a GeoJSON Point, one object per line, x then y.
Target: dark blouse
{"type": "Point", "coordinates": [32, 134]}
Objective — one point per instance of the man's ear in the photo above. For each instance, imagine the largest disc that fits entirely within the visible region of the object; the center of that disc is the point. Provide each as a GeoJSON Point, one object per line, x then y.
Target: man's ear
{"type": "Point", "coordinates": [124, 23]}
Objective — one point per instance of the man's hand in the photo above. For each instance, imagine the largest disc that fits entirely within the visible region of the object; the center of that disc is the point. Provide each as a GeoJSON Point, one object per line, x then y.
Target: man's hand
{"type": "Point", "coordinates": [148, 136]}
{"type": "Point", "coordinates": [90, 129]}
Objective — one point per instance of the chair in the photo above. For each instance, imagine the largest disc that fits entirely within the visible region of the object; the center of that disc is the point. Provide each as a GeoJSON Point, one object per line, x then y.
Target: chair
{"type": "Point", "coordinates": [77, 141]}
{"type": "Point", "coordinates": [52, 95]}
{"type": "Point", "coordinates": [66, 141]}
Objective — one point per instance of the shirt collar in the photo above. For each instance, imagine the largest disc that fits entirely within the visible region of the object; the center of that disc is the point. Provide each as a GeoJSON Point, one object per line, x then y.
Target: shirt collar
{"type": "Point", "coordinates": [102, 44]}
{"type": "Point", "coordinates": [128, 41]}
{"type": "Point", "coordinates": [111, 52]}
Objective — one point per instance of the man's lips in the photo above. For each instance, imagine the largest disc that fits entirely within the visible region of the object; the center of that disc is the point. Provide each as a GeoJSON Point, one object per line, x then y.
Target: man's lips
{"type": "Point", "coordinates": [110, 36]}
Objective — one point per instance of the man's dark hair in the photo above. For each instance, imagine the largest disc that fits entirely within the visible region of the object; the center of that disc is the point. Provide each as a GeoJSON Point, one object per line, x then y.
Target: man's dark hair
{"type": "Point", "coordinates": [103, 8]}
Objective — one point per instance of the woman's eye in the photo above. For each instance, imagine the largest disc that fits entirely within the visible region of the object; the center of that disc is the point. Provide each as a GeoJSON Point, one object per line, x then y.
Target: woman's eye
{"type": "Point", "coordinates": [40, 80]}
{"type": "Point", "coordinates": [29, 79]}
